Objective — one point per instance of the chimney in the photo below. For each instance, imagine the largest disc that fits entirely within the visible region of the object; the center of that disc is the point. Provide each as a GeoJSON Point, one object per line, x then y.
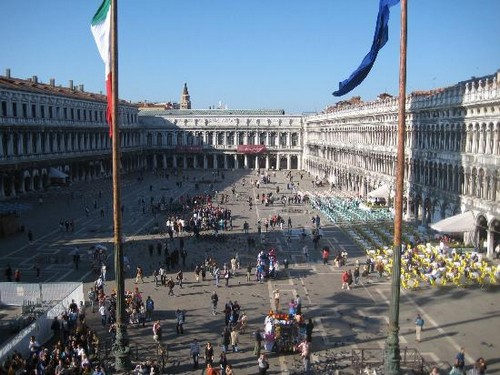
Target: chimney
{"type": "Point", "coordinates": [53, 82]}
{"type": "Point", "coordinates": [71, 84]}
{"type": "Point", "coordinates": [7, 73]}
{"type": "Point", "coordinates": [35, 79]}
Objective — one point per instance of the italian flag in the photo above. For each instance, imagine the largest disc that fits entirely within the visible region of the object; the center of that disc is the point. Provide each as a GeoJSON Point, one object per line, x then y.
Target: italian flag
{"type": "Point", "coordinates": [101, 29]}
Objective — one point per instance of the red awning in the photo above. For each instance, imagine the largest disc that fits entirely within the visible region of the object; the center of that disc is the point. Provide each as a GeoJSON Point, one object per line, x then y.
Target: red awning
{"type": "Point", "coordinates": [251, 149]}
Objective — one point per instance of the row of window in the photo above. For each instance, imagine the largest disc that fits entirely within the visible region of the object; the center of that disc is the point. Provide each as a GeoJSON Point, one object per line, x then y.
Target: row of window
{"type": "Point", "coordinates": [40, 111]}
{"type": "Point", "coordinates": [224, 139]}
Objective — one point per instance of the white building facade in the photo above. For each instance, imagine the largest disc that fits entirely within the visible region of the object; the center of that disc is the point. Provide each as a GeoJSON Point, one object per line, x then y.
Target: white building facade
{"type": "Point", "coordinates": [452, 152]}
{"type": "Point", "coordinates": [452, 144]}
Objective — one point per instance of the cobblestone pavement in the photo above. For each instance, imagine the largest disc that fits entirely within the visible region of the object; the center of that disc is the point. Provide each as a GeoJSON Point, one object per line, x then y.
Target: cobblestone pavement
{"type": "Point", "coordinates": [344, 320]}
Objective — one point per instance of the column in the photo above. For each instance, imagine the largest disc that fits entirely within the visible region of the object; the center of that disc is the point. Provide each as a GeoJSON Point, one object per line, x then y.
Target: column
{"type": "Point", "coordinates": [20, 150]}
{"type": "Point", "coordinates": [490, 244]}
{"type": "Point", "coordinates": [12, 187]}
{"type": "Point", "coordinates": [245, 158]}
{"type": "Point", "coordinates": [29, 150]}
{"type": "Point", "coordinates": [236, 163]}
{"type": "Point", "coordinates": [10, 144]}
{"type": "Point", "coordinates": [267, 161]}
{"type": "Point", "coordinates": [205, 162]}
{"type": "Point", "coordinates": [225, 161]}
{"type": "Point", "coordinates": [22, 188]}
{"type": "Point", "coordinates": [256, 166]}
{"type": "Point", "coordinates": [31, 186]}
{"type": "Point", "coordinates": [155, 162]}
{"type": "Point", "coordinates": [2, 188]}
{"type": "Point", "coordinates": [174, 160]}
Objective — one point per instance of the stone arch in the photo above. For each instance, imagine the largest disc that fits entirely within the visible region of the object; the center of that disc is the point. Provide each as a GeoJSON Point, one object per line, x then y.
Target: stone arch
{"type": "Point", "coordinates": [481, 232]}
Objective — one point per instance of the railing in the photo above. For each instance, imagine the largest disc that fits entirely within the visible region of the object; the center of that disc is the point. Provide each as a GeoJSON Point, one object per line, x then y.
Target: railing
{"type": "Point", "coordinates": [156, 353]}
{"type": "Point", "coordinates": [374, 357]}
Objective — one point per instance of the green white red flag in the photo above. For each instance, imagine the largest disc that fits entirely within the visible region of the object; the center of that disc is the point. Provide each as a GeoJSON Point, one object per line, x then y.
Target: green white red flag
{"type": "Point", "coordinates": [101, 29]}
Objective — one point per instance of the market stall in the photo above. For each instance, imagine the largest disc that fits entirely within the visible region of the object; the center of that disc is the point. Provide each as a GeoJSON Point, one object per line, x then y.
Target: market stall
{"type": "Point", "coordinates": [283, 332]}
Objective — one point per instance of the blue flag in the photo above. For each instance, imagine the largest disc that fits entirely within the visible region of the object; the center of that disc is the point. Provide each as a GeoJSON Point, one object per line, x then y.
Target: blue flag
{"type": "Point", "coordinates": [379, 39]}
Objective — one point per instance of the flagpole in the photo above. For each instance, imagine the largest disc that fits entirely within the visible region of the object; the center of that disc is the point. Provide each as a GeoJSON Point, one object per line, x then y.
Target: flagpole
{"type": "Point", "coordinates": [120, 348]}
{"type": "Point", "coordinates": [392, 351]}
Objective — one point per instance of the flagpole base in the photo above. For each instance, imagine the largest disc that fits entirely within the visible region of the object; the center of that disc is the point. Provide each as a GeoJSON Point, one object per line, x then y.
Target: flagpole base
{"type": "Point", "coordinates": [121, 350]}
{"type": "Point", "coordinates": [392, 356]}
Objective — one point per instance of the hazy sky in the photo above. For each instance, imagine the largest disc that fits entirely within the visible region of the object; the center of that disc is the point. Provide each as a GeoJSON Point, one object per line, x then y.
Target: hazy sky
{"type": "Point", "coordinates": [272, 54]}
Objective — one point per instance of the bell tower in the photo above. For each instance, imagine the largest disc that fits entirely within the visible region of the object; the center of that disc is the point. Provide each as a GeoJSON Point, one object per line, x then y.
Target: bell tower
{"type": "Point", "coordinates": [185, 98]}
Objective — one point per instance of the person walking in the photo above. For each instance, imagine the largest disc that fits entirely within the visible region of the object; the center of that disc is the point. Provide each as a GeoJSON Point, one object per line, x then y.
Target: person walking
{"type": "Point", "coordinates": [249, 272]}
{"type": "Point", "coordinates": [103, 312]}
{"type": "Point", "coordinates": [170, 285]}
{"type": "Point", "coordinates": [181, 318]}
{"type": "Point", "coordinates": [180, 278]}
{"type": "Point", "coordinates": [276, 295]}
{"type": "Point", "coordinates": [257, 343]}
{"type": "Point", "coordinates": [235, 339]}
{"type": "Point", "coordinates": [309, 330]}
{"type": "Point", "coordinates": [103, 271]}
{"type": "Point", "coordinates": [263, 364]}
{"type": "Point", "coordinates": [229, 370]}
{"type": "Point", "coordinates": [8, 273]}
{"type": "Point", "coordinates": [325, 254]}
{"type": "Point", "coordinates": [157, 332]}
{"type": "Point", "coordinates": [345, 280]}
{"type": "Point", "coordinates": [226, 339]}
{"type": "Point", "coordinates": [305, 353]}
{"type": "Point", "coordinates": [305, 252]}
{"type": "Point", "coordinates": [209, 354]}
{"type": "Point", "coordinates": [460, 360]}
{"type": "Point", "coordinates": [150, 307]}
{"type": "Point", "coordinates": [211, 370]}
{"type": "Point", "coordinates": [194, 351]}
{"type": "Point", "coordinates": [139, 275]}
{"type": "Point", "coordinates": [356, 276]}
{"type": "Point", "coordinates": [214, 300]}
{"type": "Point", "coordinates": [92, 298]}
{"type": "Point", "coordinates": [298, 304]}
{"type": "Point", "coordinates": [222, 362]}
{"type": "Point", "coordinates": [419, 325]}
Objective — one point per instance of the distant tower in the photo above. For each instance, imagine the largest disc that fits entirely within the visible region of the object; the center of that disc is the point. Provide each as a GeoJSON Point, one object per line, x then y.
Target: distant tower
{"type": "Point", "coordinates": [185, 98]}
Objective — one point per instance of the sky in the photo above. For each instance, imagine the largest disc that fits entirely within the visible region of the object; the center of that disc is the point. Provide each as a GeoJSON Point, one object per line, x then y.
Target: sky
{"type": "Point", "coordinates": [250, 54]}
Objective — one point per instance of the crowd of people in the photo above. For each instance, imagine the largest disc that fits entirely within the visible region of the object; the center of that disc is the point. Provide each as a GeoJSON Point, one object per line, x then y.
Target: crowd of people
{"type": "Point", "coordinates": [73, 349]}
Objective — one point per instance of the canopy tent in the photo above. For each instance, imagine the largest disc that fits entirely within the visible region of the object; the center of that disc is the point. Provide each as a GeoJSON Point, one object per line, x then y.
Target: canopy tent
{"type": "Point", "coordinates": [464, 222]}
{"type": "Point", "coordinates": [380, 192]}
{"type": "Point", "coordinates": [56, 173]}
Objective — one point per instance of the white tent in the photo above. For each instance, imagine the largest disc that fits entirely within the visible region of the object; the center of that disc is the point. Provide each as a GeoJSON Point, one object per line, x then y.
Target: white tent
{"type": "Point", "coordinates": [56, 173]}
{"type": "Point", "coordinates": [464, 222]}
{"type": "Point", "coordinates": [380, 192]}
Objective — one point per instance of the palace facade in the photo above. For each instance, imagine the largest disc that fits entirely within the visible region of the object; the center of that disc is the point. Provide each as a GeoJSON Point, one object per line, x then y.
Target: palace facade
{"type": "Point", "coordinates": [452, 151]}
{"type": "Point", "coordinates": [452, 144]}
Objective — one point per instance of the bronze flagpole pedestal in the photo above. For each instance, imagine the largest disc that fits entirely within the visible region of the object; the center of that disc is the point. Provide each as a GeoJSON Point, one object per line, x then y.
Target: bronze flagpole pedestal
{"type": "Point", "coordinates": [392, 356]}
{"type": "Point", "coordinates": [121, 349]}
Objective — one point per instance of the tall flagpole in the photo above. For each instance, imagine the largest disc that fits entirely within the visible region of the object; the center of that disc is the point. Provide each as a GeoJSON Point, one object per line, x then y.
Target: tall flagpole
{"type": "Point", "coordinates": [392, 353]}
{"type": "Point", "coordinates": [120, 348]}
